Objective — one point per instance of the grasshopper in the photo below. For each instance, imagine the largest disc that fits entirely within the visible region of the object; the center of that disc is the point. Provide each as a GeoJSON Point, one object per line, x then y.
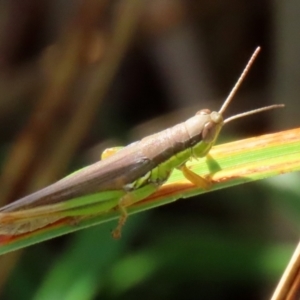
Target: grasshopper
{"type": "Point", "coordinates": [125, 175]}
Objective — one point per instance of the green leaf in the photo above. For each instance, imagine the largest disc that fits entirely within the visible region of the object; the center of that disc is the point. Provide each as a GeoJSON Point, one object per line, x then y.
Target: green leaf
{"type": "Point", "coordinates": [226, 165]}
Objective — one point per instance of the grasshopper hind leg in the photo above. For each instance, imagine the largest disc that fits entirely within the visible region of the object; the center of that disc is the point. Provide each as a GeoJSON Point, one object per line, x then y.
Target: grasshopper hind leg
{"type": "Point", "coordinates": [129, 199]}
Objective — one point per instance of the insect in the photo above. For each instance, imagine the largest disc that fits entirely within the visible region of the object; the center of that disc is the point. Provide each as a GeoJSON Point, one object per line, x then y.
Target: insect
{"type": "Point", "coordinates": [125, 175]}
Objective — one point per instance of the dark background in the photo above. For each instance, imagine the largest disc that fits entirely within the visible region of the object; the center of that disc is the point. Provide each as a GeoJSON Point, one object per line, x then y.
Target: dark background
{"type": "Point", "coordinates": [79, 76]}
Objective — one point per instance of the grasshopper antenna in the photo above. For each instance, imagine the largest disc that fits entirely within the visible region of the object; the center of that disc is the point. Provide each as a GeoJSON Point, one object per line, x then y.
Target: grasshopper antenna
{"type": "Point", "coordinates": [235, 88]}
{"type": "Point", "coordinates": [239, 82]}
{"type": "Point", "coordinates": [252, 112]}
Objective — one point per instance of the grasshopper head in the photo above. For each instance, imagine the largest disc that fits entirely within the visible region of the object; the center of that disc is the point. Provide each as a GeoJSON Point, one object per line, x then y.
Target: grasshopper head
{"type": "Point", "coordinates": [211, 122]}
{"type": "Point", "coordinates": [204, 129]}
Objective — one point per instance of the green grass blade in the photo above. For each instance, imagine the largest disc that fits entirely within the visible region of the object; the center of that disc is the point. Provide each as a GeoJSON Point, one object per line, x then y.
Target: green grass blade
{"type": "Point", "coordinates": [227, 165]}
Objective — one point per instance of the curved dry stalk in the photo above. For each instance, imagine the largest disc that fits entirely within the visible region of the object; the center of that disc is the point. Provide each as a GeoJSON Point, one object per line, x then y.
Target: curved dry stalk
{"type": "Point", "coordinates": [288, 287]}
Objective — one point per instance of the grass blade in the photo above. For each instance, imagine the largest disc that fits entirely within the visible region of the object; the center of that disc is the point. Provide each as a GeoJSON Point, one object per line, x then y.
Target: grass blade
{"type": "Point", "coordinates": [227, 165]}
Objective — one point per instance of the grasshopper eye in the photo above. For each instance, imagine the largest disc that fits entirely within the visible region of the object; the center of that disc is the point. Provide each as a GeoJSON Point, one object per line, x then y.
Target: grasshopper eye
{"type": "Point", "coordinates": [208, 132]}
{"type": "Point", "coordinates": [211, 128]}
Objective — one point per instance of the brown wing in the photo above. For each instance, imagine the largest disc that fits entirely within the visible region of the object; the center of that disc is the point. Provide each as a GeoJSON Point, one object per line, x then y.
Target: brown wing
{"type": "Point", "coordinates": [113, 173]}
{"type": "Point", "coordinates": [123, 167]}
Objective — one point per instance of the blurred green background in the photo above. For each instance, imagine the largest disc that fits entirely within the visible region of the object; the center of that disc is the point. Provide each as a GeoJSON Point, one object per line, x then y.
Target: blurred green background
{"type": "Point", "coordinates": [79, 76]}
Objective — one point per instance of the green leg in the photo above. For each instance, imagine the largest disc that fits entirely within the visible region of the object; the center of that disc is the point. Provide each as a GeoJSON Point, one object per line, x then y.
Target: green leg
{"type": "Point", "coordinates": [111, 202]}
{"type": "Point", "coordinates": [129, 199]}
{"type": "Point", "coordinates": [34, 218]}
{"type": "Point", "coordinates": [195, 178]}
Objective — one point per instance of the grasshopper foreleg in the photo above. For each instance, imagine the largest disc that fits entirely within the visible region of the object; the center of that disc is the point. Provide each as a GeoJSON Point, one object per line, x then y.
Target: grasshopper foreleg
{"type": "Point", "coordinates": [195, 178]}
